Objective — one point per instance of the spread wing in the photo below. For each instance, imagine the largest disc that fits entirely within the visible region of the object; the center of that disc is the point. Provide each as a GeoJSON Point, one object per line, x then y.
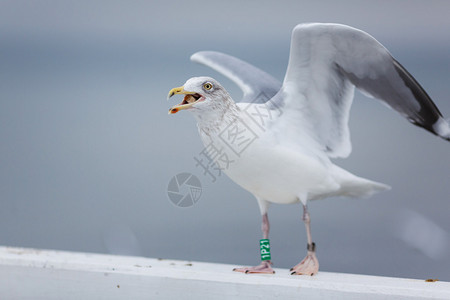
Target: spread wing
{"type": "Point", "coordinates": [257, 85]}
{"type": "Point", "coordinates": [326, 62]}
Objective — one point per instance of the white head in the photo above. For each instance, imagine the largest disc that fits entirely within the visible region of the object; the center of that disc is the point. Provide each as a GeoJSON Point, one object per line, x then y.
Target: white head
{"type": "Point", "coordinates": [203, 95]}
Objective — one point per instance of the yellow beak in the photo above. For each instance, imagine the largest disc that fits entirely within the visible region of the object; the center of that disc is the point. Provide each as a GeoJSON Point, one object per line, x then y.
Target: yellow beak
{"type": "Point", "coordinates": [179, 91]}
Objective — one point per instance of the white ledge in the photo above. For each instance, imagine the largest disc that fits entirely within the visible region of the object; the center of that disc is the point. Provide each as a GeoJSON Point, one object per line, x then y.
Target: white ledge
{"type": "Point", "coordinates": [43, 274]}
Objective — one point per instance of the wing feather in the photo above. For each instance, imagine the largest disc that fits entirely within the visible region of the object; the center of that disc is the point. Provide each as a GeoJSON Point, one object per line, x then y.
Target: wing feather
{"type": "Point", "coordinates": [257, 85]}
{"type": "Point", "coordinates": [326, 62]}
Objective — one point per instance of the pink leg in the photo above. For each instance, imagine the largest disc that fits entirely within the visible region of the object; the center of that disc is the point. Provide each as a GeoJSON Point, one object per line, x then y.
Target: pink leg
{"type": "Point", "coordinates": [309, 265]}
{"type": "Point", "coordinates": [266, 265]}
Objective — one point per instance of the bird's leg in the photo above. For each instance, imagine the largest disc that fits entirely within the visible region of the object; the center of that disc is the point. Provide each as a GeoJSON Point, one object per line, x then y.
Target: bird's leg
{"type": "Point", "coordinates": [265, 226]}
{"type": "Point", "coordinates": [309, 265]}
{"type": "Point", "coordinates": [266, 265]}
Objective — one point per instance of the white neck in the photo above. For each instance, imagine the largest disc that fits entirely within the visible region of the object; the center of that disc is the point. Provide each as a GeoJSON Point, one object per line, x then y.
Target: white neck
{"type": "Point", "coordinates": [215, 118]}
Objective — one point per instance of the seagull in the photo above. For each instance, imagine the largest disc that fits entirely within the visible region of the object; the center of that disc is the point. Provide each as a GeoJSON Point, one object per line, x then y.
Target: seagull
{"type": "Point", "coordinates": [278, 141]}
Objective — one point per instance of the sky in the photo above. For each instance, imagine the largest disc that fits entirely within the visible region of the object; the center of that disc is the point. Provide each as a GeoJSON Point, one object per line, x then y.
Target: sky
{"type": "Point", "coordinates": [87, 149]}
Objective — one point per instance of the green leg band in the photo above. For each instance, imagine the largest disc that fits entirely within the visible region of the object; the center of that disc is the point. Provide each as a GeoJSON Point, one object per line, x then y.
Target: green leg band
{"type": "Point", "coordinates": [264, 246]}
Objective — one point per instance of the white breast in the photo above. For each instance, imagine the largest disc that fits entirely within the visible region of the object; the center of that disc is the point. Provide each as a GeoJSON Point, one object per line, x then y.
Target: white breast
{"type": "Point", "coordinates": [253, 160]}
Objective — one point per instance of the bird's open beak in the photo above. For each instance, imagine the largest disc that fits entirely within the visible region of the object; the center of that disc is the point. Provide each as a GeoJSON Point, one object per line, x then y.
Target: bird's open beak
{"type": "Point", "coordinates": [190, 99]}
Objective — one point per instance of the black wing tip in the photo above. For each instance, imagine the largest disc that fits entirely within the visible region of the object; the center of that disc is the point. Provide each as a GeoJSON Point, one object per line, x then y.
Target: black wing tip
{"type": "Point", "coordinates": [428, 116]}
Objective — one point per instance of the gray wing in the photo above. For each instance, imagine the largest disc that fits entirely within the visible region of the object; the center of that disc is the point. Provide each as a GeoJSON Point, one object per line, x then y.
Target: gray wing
{"type": "Point", "coordinates": [257, 85]}
{"type": "Point", "coordinates": [326, 62]}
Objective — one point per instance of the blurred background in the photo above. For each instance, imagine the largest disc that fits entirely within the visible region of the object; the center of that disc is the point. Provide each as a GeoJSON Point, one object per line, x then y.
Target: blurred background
{"type": "Point", "coordinates": [87, 149]}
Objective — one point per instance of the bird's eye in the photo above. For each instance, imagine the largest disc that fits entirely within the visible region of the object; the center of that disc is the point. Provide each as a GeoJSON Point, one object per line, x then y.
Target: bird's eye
{"type": "Point", "coordinates": [207, 86]}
